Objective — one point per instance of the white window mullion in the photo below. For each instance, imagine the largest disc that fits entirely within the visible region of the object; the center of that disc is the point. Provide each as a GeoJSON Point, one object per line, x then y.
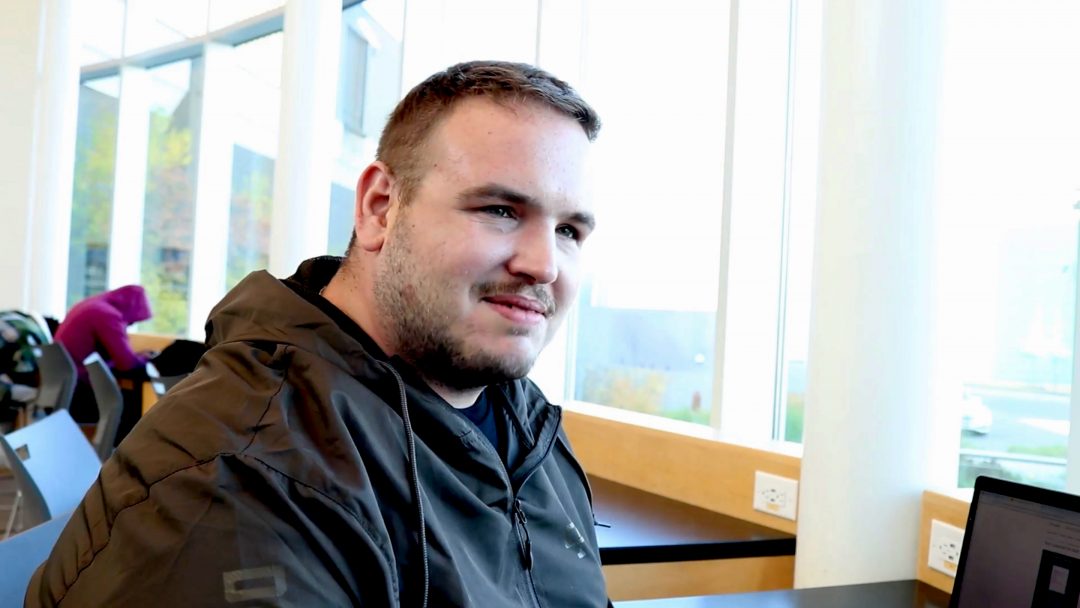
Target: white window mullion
{"type": "Point", "coordinates": [754, 212]}
{"type": "Point", "coordinates": [307, 147]}
{"type": "Point", "coordinates": [129, 193]}
{"type": "Point", "coordinates": [1072, 461]}
{"type": "Point", "coordinates": [213, 182]}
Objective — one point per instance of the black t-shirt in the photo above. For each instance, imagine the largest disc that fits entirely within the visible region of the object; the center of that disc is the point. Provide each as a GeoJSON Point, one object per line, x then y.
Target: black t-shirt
{"type": "Point", "coordinates": [483, 416]}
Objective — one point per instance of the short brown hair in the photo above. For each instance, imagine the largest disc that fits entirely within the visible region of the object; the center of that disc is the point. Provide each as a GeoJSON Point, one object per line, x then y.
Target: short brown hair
{"type": "Point", "coordinates": [430, 102]}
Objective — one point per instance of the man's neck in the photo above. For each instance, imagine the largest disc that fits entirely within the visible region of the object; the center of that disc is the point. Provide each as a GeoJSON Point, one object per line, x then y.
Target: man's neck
{"type": "Point", "coordinates": [345, 295]}
{"type": "Point", "coordinates": [458, 399]}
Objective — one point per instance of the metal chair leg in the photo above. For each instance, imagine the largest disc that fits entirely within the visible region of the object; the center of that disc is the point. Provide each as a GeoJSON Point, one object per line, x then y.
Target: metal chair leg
{"type": "Point", "coordinates": [14, 510]}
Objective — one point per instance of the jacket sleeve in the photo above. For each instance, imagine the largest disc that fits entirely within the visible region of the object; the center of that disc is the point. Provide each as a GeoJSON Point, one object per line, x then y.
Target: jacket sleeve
{"type": "Point", "coordinates": [111, 333]}
{"type": "Point", "coordinates": [226, 532]}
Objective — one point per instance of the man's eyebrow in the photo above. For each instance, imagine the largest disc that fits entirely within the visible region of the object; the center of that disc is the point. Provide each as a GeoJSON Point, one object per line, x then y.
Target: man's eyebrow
{"type": "Point", "coordinates": [509, 195]}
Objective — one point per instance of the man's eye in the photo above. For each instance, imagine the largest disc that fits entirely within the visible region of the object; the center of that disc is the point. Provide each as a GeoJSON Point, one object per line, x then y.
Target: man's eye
{"type": "Point", "coordinates": [569, 232]}
{"type": "Point", "coordinates": [499, 211]}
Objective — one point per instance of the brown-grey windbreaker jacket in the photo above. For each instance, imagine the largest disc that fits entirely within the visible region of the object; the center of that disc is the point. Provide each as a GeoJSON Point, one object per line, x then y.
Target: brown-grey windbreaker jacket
{"type": "Point", "coordinates": [297, 467]}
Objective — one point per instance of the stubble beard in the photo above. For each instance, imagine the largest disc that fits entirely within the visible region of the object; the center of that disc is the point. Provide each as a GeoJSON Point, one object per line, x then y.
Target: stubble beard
{"type": "Point", "coordinates": [409, 302]}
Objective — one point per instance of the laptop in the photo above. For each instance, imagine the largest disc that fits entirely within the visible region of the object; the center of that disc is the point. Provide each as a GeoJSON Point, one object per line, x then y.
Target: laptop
{"type": "Point", "coordinates": [1021, 548]}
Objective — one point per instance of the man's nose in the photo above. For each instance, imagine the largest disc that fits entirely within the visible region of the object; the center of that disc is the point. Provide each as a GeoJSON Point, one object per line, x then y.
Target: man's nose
{"type": "Point", "coordinates": [534, 257]}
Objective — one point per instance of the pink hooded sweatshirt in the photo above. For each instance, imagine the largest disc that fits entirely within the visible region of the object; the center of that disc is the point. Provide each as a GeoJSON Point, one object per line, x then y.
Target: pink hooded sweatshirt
{"type": "Point", "coordinates": [99, 323]}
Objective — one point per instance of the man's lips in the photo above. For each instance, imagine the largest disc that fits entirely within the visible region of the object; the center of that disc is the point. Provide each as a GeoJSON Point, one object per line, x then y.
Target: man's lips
{"type": "Point", "coordinates": [520, 302]}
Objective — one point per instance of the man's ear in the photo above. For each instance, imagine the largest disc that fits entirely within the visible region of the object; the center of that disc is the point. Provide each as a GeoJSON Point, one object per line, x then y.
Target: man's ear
{"type": "Point", "coordinates": [373, 203]}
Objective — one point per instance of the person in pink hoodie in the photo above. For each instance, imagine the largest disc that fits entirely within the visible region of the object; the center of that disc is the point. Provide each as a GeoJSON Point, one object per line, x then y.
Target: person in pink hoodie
{"type": "Point", "coordinates": [99, 324]}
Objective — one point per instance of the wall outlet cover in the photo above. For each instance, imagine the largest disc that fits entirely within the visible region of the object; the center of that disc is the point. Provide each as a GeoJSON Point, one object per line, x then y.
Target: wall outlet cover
{"type": "Point", "coordinates": [945, 544]}
{"type": "Point", "coordinates": [776, 495]}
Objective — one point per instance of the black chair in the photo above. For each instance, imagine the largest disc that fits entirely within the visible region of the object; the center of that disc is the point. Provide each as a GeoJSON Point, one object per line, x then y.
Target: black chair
{"type": "Point", "coordinates": [22, 554]}
{"type": "Point", "coordinates": [58, 378]}
{"type": "Point", "coordinates": [162, 384]}
{"type": "Point", "coordinates": [110, 403]}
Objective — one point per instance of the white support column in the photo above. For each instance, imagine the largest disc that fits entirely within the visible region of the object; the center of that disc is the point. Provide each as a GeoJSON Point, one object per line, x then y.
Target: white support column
{"type": "Point", "coordinates": [39, 103]}
{"type": "Point", "coordinates": [213, 183]}
{"type": "Point", "coordinates": [872, 440]}
{"type": "Point", "coordinates": [129, 191]}
{"type": "Point", "coordinates": [306, 149]}
{"type": "Point", "coordinates": [54, 166]}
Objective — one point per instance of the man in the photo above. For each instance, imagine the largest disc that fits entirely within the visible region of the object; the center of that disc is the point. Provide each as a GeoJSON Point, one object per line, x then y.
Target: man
{"type": "Point", "coordinates": [361, 433]}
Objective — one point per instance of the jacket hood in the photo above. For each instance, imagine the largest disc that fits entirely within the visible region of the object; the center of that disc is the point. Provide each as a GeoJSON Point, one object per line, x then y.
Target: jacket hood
{"type": "Point", "coordinates": [262, 308]}
{"type": "Point", "coordinates": [130, 301]}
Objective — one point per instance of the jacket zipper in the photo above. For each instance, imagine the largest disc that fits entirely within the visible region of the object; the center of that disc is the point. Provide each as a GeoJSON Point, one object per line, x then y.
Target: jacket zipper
{"type": "Point", "coordinates": [526, 544]}
{"type": "Point", "coordinates": [517, 516]}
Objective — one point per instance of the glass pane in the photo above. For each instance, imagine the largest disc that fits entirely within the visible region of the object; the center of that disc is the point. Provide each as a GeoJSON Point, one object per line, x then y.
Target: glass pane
{"type": "Point", "coordinates": [369, 86]}
{"type": "Point", "coordinates": [258, 87]}
{"type": "Point", "coordinates": [153, 24]}
{"type": "Point", "coordinates": [102, 30]}
{"type": "Point", "coordinates": [802, 205]}
{"type": "Point", "coordinates": [170, 196]}
{"type": "Point", "coordinates": [224, 13]}
{"type": "Point", "coordinates": [92, 194]}
{"type": "Point", "coordinates": [1007, 249]}
{"type": "Point", "coordinates": [646, 323]}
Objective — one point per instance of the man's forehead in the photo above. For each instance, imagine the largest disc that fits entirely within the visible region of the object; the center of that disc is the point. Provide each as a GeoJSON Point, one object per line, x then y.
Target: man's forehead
{"type": "Point", "coordinates": [526, 151]}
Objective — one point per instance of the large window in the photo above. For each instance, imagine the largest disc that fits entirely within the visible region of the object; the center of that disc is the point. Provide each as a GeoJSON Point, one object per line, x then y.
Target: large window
{"type": "Point", "coordinates": [92, 196]}
{"type": "Point", "coordinates": [695, 303]}
{"type": "Point", "coordinates": [1010, 177]}
{"type": "Point", "coordinates": [369, 86]}
{"type": "Point", "coordinates": [257, 73]}
{"type": "Point", "coordinates": [167, 84]}
{"type": "Point", "coordinates": [168, 237]}
{"type": "Point", "coordinates": [646, 323]}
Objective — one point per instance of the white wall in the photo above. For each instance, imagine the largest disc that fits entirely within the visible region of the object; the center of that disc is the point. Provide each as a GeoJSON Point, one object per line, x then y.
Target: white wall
{"type": "Point", "coordinates": [39, 104]}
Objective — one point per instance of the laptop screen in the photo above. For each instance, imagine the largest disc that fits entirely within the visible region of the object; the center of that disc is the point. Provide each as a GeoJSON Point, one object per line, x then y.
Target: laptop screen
{"type": "Point", "coordinates": [1021, 548]}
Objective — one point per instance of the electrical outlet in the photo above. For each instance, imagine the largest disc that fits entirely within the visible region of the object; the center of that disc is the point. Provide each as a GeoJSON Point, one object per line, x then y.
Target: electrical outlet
{"type": "Point", "coordinates": [775, 495]}
{"type": "Point", "coordinates": [945, 544]}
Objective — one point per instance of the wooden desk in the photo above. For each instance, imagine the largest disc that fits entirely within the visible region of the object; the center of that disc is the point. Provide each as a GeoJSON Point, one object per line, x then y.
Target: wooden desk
{"type": "Point", "coordinates": [647, 528]}
{"type": "Point", "coordinates": [896, 594]}
{"type": "Point", "coordinates": [658, 547]}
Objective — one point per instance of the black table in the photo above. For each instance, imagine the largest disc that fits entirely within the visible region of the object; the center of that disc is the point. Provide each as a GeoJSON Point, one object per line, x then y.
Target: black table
{"type": "Point", "coordinates": [897, 594]}
{"type": "Point", "coordinates": [638, 527]}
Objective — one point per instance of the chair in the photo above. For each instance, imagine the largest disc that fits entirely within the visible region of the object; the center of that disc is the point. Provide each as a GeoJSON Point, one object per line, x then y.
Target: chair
{"type": "Point", "coordinates": [58, 377]}
{"type": "Point", "coordinates": [162, 384]}
{"type": "Point", "coordinates": [22, 554]}
{"type": "Point", "coordinates": [53, 465]}
{"type": "Point", "coordinates": [110, 404]}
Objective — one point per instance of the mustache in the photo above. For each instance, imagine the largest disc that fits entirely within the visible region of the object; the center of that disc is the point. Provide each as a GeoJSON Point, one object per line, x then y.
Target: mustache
{"type": "Point", "coordinates": [540, 293]}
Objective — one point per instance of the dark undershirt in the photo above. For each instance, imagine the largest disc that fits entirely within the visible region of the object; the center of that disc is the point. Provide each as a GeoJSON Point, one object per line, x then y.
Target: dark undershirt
{"type": "Point", "coordinates": [483, 416]}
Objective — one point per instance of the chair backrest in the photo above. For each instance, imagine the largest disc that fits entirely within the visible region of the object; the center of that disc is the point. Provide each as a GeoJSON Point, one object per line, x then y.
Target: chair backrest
{"type": "Point", "coordinates": [43, 324]}
{"type": "Point", "coordinates": [22, 554]}
{"type": "Point", "coordinates": [58, 376]}
{"type": "Point", "coordinates": [53, 465]}
{"type": "Point", "coordinates": [110, 403]}
{"type": "Point", "coordinates": [162, 384]}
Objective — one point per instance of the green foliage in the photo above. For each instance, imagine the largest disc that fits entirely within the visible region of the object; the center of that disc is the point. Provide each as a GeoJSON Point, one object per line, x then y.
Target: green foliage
{"type": "Point", "coordinates": [1053, 451]}
{"type": "Point", "coordinates": [637, 389]}
{"type": "Point", "coordinates": [168, 224]}
{"type": "Point", "coordinates": [793, 423]}
{"type": "Point", "coordinates": [92, 190]}
{"type": "Point", "coordinates": [249, 225]}
{"type": "Point", "coordinates": [991, 468]}
{"type": "Point", "coordinates": [688, 414]}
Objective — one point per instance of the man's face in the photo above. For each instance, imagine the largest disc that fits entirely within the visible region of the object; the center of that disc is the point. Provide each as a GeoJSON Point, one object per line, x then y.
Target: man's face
{"type": "Point", "coordinates": [479, 267]}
